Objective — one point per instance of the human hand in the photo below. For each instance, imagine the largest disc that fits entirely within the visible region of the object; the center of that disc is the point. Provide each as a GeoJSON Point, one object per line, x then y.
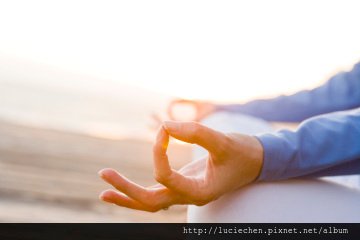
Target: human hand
{"type": "Point", "coordinates": [234, 160]}
{"type": "Point", "coordinates": [202, 109]}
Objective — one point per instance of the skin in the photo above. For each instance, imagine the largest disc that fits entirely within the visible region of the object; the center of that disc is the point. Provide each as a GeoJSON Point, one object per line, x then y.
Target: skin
{"type": "Point", "coordinates": [202, 109]}
{"type": "Point", "coordinates": [234, 160]}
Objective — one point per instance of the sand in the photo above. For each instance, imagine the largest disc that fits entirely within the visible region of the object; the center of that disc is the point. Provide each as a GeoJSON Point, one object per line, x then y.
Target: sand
{"type": "Point", "coordinates": [51, 176]}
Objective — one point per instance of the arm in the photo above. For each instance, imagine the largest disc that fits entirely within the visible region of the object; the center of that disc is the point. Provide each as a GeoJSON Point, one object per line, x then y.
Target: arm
{"type": "Point", "coordinates": [341, 92]}
{"type": "Point", "coordinates": [235, 160]}
{"type": "Point", "coordinates": [322, 146]}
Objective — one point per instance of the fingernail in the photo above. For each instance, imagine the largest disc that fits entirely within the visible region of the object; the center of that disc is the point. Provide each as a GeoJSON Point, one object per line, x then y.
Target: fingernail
{"type": "Point", "coordinates": [101, 197]}
{"type": "Point", "coordinates": [102, 172]}
{"type": "Point", "coordinates": [105, 194]}
{"type": "Point", "coordinates": [171, 125]}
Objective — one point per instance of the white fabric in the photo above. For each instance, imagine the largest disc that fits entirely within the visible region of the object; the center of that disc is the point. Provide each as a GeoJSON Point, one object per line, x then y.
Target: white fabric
{"type": "Point", "coordinates": [298, 200]}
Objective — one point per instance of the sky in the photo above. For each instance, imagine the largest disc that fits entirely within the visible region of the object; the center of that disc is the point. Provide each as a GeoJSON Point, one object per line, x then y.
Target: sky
{"type": "Point", "coordinates": [215, 50]}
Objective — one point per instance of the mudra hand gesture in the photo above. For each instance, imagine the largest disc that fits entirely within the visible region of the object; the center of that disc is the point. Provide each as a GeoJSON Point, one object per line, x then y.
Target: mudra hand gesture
{"type": "Point", "coordinates": [234, 160]}
{"type": "Point", "coordinates": [201, 110]}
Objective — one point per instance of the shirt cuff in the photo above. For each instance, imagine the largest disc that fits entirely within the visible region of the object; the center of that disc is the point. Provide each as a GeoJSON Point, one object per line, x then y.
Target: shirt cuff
{"type": "Point", "coordinates": [274, 164]}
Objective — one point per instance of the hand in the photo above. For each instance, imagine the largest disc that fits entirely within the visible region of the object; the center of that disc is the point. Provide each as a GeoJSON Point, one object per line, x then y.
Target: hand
{"type": "Point", "coordinates": [202, 110]}
{"type": "Point", "coordinates": [234, 160]}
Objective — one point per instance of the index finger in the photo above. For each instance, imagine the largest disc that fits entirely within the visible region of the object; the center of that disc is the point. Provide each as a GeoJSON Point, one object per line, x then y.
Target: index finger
{"type": "Point", "coordinates": [163, 172]}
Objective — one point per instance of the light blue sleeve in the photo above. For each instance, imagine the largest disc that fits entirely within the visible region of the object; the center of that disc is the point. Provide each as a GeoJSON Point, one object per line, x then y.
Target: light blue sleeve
{"type": "Point", "coordinates": [341, 92]}
{"type": "Point", "coordinates": [325, 145]}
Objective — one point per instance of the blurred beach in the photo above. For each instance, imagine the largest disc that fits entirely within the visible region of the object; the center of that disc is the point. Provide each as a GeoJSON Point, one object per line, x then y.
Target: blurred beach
{"type": "Point", "coordinates": [56, 135]}
{"type": "Point", "coordinates": [39, 95]}
{"type": "Point", "coordinates": [79, 81]}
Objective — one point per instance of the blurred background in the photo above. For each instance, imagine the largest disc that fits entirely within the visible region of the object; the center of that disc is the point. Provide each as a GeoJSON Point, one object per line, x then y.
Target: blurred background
{"type": "Point", "coordinates": [79, 80]}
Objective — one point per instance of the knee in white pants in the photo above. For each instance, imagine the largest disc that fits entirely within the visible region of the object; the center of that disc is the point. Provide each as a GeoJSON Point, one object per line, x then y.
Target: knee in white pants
{"type": "Point", "coordinates": [298, 200]}
{"type": "Point", "coordinates": [306, 200]}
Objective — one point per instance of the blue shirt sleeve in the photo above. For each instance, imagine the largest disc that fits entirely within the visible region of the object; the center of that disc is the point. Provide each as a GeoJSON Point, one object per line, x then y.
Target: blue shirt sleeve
{"type": "Point", "coordinates": [325, 145]}
{"type": "Point", "coordinates": [341, 92]}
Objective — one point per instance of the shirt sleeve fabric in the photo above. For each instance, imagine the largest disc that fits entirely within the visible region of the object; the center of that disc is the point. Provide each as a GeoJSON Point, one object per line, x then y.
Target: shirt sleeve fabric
{"type": "Point", "coordinates": [325, 145]}
{"type": "Point", "coordinates": [341, 92]}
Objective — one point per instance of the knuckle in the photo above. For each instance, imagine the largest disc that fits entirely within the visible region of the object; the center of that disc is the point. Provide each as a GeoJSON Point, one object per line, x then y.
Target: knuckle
{"type": "Point", "coordinates": [194, 130]}
{"type": "Point", "coordinates": [193, 127]}
{"type": "Point", "coordinates": [201, 201]}
{"type": "Point", "coordinates": [162, 177]}
{"type": "Point", "coordinates": [155, 207]}
{"type": "Point", "coordinates": [224, 145]}
{"type": "Point", "coordinates": [199, 204]}
{"type": "Point", "coordinates": [205, 198]}
{"type": "Point", "coordinates": [159, 178]}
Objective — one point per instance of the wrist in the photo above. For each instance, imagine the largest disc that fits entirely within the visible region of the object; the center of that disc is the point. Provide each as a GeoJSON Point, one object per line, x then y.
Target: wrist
{"type": "Point", "coordinates": [250, 152]}
{"type": "Point", "coordinates": [258, 157]}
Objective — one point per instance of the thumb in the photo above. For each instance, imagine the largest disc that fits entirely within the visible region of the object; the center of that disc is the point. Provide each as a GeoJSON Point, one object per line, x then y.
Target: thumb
{"type": "Point", "coordinates": [193, 132]}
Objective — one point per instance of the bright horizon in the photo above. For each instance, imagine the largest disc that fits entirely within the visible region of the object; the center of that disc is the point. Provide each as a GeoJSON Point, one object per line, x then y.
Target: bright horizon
{"type": "Point", "coordinates": [216, 50]}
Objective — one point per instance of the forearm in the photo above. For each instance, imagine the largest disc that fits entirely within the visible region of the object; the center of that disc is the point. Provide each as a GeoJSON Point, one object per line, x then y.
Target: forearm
{"type": "Point", "coordinates": [341, 92]}
{"type": "Point", "coordinates": [321, 146]}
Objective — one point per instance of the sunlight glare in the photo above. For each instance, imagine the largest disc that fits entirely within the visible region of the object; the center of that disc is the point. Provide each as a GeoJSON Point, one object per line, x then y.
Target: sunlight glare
{"type": "Point", "coordinates": [217, 50]}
